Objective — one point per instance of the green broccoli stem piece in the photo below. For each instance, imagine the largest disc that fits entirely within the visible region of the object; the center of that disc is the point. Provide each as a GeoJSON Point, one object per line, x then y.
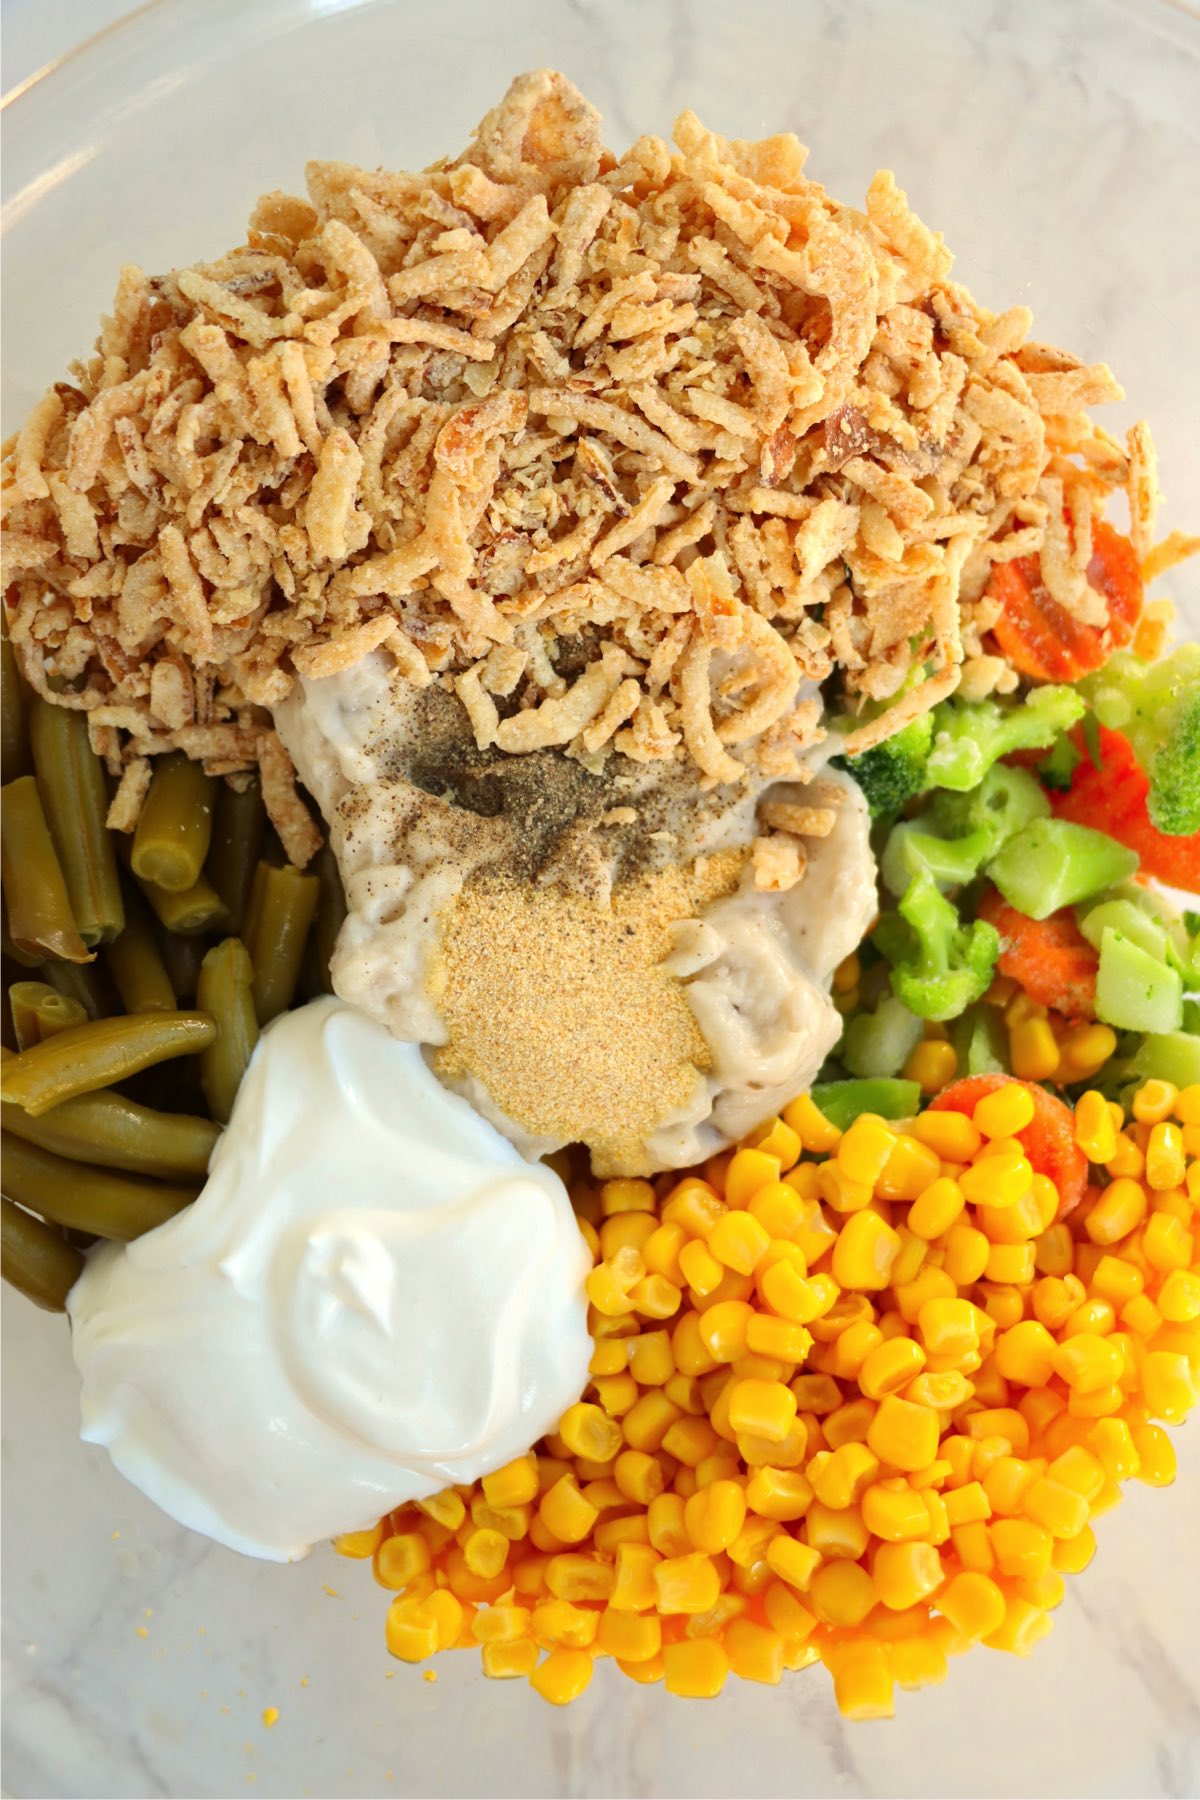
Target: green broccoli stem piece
{"type": "Point", "coordinates": [1157, 706]}
{"type": "Point", "coordinates": [939, 965]}
{"type": "Point", "coordinates": [1053, 863]}
{"type": "Point", "coordinates": [879, 1043]}
{"type": "Point", "coordinates": [1135, 990]}
{"type": "Point", "coordinates": [951, 862]}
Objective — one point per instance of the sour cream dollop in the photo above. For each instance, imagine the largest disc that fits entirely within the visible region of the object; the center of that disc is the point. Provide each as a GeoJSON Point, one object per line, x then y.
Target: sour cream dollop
{"type": "Point", "coordinates": [375, 1296]}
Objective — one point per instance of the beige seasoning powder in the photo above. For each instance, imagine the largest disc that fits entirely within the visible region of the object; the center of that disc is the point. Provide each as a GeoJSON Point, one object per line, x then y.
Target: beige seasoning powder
{"type": "Point", "coordinates": [525, 964]}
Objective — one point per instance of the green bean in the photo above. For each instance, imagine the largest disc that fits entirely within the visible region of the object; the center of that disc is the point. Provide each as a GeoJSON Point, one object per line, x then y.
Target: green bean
{"type": "Point", "coordinates": [135, 964]}
{"type": "Point", "coordinates": [40, 1012]}
{"type": "Point", "coordinates": [112, 1205]}
{"type": "Point", "coordinates": [287, 902]}
{"type": "Point", "coordinates": [331, 912]}
{"type": "Point", "coordinates": [175, 826]}
{"type": "Point", "coordinates": [98, 1054]}
{"type": "Point", "coordinates": [239, 823]}
{"type": "Point", "coordinates": [182, 957]}
{"type": "Point", "coordinates": [39, 912]}
{"type": "Point", "coordinates": [116, 1133]}
{"type": "Point", "coordinates": [71, 783]}
{"type": "Point", "coordinates": [37, 1259]}
{"type": "Point", "coordinates": [226, 990]}
{"type": "Point", "coordinates": [14, 735]}
{"type": "Point", "coordinates": [9, 950]}
{"type": "Point", "coordinates": [86, 982]}
{"type": "Point", "coordinates": [188, 912]}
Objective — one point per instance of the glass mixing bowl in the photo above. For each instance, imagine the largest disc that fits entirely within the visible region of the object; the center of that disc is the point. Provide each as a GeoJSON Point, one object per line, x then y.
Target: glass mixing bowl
{"type": "Point", "coordinates": [1056, 146]}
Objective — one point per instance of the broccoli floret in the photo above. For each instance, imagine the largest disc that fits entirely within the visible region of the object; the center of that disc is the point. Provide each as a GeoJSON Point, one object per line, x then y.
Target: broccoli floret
{"type": "Point", "coordinates": [1057, 769]}
{"type": "Point", "coordinates": [969, 736]}
{"type": "Point", "coordinates": [1157, 706]}
{"type": "Point", "coordinates": [958, 833]}
{"type": "Point", "coordinates": [939, 965]}
{"type": "Point", "coordinates": [894, 771]}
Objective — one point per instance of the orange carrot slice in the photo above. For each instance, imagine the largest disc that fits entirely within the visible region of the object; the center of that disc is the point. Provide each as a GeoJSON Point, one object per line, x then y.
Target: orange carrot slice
{"type": "Point", "coordinates": [1040, 638]}
{"type": "Point", "coordinates": [1050, 958]}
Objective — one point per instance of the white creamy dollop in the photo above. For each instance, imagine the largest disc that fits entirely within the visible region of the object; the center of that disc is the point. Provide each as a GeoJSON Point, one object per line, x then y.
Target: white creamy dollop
{"type": "Point", "coordinates": [375, 1296]}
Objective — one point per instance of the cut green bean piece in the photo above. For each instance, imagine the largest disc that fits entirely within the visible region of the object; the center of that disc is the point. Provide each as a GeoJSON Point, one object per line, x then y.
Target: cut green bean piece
{"type": "Point", "coordinates": [39, 911]}
{"type": "Point", "coordinates": [98, 1054]}
{"type": "Point", "coordinates": [117, 1133]}
{"type": "Point", "coordinates": [239, 824]}
{"type": "Point", "coordinates": [37, 1259]}
{"type": "Point", "coordinates": [182, 957]}
{"type": "Point", "coordinates": [104, 1201]}
{"type": "Point", "coordinates": [71, 783]}
{"type": "Point", "coordinates": [842, 1101]}
{"type": "Point", "coordinates": [9, 950]}
{"type": "Point", "coordinates": [40, 1012]}
{"type": "Point", "coordinates": [226, 990]}
{"type": "Point", "coordinates": [331, 912]}
{"type": "Point", "coordinates": [286, 904]}
{"type": "Point", "coordinates": [86, 982]}
{"type": "Point", "coordinates": [175, 827]}
{"type": "Point", "coordinates": [14, 736]}
{"type": "Point", "coordinates": [188, 912]}
{"type": "Point", "coordinates": [135, 964]}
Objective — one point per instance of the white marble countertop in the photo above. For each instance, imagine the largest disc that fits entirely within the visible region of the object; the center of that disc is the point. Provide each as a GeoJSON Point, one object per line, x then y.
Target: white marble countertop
{"type": "Point", "coordinates": [1056, 143]}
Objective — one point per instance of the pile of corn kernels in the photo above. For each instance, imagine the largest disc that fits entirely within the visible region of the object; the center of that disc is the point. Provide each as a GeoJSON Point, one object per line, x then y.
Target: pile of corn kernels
{"type": "Point", "coordinates": [856, 1398]}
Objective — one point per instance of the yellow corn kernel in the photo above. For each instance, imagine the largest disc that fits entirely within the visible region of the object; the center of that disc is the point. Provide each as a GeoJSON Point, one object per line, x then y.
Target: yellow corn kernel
{"type": "Point", "coordinates": [686, 1584]}
{"type": "Point", "coordinates": [1087, 1363]}
{"type": "Point", "coordinates": [1060, 1509]}
{"type": "Point", "coordinates": [628, 1528]}
{"type": "Point", "coordinates": [647, 1424]}
{"type": "Point", "coordinates": [723, 1329]}
{"type": "Point", "coordinates": [755, 1652]}
{"type": "Point", "coordinates": [1025, 1354]}
{"type": "Point", "coordinates": [865, 1148]}
{"type": "Point", "coordinates": [739, 1242]}
{"type": "Point", "coordinates": [616, 1394]}
{"type": "Point", "coordinates": [778, 1208]}
{"type": "Point", "coordinates": [836, 1531]}
{"type": "Point", "coordinates": [967, 1251]}
{"type": "Point", "coordinates": [839, 1191]}
{"type": "Point", "coordinates": [935, 1210]}
{"type": "Point", "coordinates": [1112, 1442]}
{"type": "Point", "coordinates": [1154, 1102]}
{"type": "Point", "coordinates": [565, 1513]}
{"type": "Point", "coordinates": [500, 1624]}
{"type": "Point", "coordinates": [1165, 1162]}
{"type": "Point", "coordinates": [561, 1622]}
{"type": "Point", "coordinates": [911, 1168]}
{"type": "Point", "coordinates": [1141, 1315]}
{"type": "Point", "coordinates": [841, 1594]}
{"type": "Point", "coordinates": [1095, 1128]}
{"type": "Point", "coordinates": [844, 1477]}
{"type": "Point", "coordinates": [1033, 1050]}
{"type": "Point", "coordinates": [932, 1064]}
{"type": "Point", "coordinates": [1011, 1264]}
{"type": "Point", "coordinates": [694, 1206]}
{"type": "Point", "coordinates": [401, 1558]}
{"type": "Point", "coordinates": [574, 1576]}
{"type": "Point", "coordinates": [905, 1574]}
{"type": "Point", "coordinates": [609, 1357]}
{"type": "Point", "coordinates": [447, 1508]}
{"type": "Point", "coordinates": [714, 1516]}
{"type": "Point", "coordinates": [949, 1327]}
{"type": "Point", "coordinates": [1169, 1388]}
{"type": "Point", "coordinates": [894, 1512]}
{"type": "Point", "coordinates": [1004, 1112]}
{"type": "Point", "coordinates": [1166, 1242]}
{"type": "Point", "coordinates": [862, 1682]}
{"type": "Point", "coordinates": [486, 1552]}
{"type": "Point", "coordinates": [792, 1562]}
{"type": "Point", "coordinates": [973, 1547]}
{"type": "Point", "coordinates": [411, 1632]}
{"type": "Point", "coordinates": [781, 1339]}
{"type": "Point", "coordinates": [967, 1504]}
{"type": "Point", "coordinates": [626, 1196]}
{"type": "Point", "coordinates": [609, 1283]}
{"type": "Point", "coordinates": [633, 1587]}
{"type": "Point", "coordinates": [778, 1140]}
{"type": "Point", "coordinates": [502, 1661]}
{"type": "Point", "coordinates": [997, 1180]}
{"type": "Point", "coordinates": [794, 1296]}
{"type": "Point", "coordinates": [688, 1347]}
{"type": "Point", "coordinates": [699, 1268]}
{"type": "Point", "coordinates": [683, 1391]}
{"type": "Point", "coordinates": [902, 1434]}
{"type": "Point", "coordinates": [638, 1476]}
{"type": "Point", "coordinates": [973, 1604]}
{"type": "Point", "coordinates": [650, 1360]}
{"type": "Point", "coordinates": [1179, 1297]}
{"type": "Point", "coordinates": [563, 1676]}
{"type": "Point", "coordinates": [950, 1134]}
{"type": "Point", "coordinates": [630, 1637]}
{"type": "Point", "coordinates": [587, 1431]}
{"type": "Point", "coordinates": [655, 1297]}
{"type": "Point", "coordinates": [865, 1252]}
{"type": "Point", "coordinates": [849, 1424]}
{"type": "Point", "coordinates": [626, 1229]}
{"type": "Point", "coordinates": [814, 1130]}
{"type": "Point", "coordinates": [1119, 1210]}
{"type": "Point", "coordinates": [1156, 1455]}
{"type": "Point", "coordinates": [1084, 1051]}
{"type": "Point", "coordinates": [1022, 1548]}
{"type": "Point", "coordinates": [360, 1544]}
{"type": "Point", "coordinates": [781, 1494]}
{"type": "Point", "coordinates": [695, 1668]}
{"type": "Point", "coordinates": [660, 1252]}
{"type": "Point", "coordinates": [1077, 1469]}
{"type": "Point", "coordinates": [748, 1171]}
{"type": "Point", "coordinates": [1114, 1281]}
{"type": "Point", "coordinates": [890, 1366]}
{"type": "Point", "coordinates": [761, 1409]}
